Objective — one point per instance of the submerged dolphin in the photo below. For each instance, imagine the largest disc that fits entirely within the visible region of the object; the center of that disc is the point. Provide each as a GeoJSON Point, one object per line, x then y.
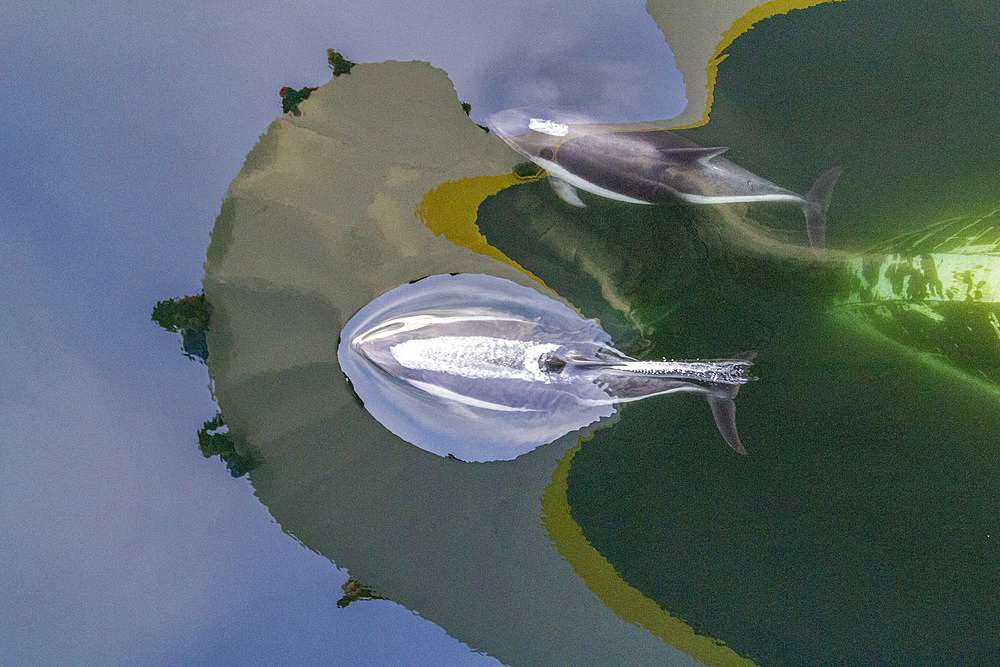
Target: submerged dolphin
{"type": "Point", "coordinates": [646, 166]}
{"type": "Point", "coordinates": [490, 362]}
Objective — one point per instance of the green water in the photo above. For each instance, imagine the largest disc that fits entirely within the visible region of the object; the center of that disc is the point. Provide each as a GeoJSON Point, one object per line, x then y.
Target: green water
{"type": "Point", "coordinates": [863, 525]}
{"type": "Point", "coordinates": [904, 96]}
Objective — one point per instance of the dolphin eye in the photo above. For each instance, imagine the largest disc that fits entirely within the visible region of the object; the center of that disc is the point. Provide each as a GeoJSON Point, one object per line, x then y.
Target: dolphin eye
{"type": "Point", "coordinates": [546, 153]}
{"type": "Point", "coordinates": [552, 364]}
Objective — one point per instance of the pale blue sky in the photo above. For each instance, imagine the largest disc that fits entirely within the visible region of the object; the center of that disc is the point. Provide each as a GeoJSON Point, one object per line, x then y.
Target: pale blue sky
{"type": "Point", "coordinates": [122, 126]}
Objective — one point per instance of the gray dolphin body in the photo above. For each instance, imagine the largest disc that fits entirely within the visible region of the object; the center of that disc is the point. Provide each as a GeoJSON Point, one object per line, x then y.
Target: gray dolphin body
{"type": "Point", "coordinates": [527, 375]}
{"type": "Point", "coordinates": [646, 166]}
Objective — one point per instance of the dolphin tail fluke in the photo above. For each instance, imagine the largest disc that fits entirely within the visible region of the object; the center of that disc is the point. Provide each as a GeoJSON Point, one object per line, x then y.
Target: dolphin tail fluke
{"type": "Point", "coordinates": [816, 206]}
{"type": "Point", "coordinates": [720, 399]}
{"type": "Point", "coordinates": [625, 379]}
{"type": "Point", "coordinates": [566, 192]}
{"type": "Point", "coordinates": [724, 411]}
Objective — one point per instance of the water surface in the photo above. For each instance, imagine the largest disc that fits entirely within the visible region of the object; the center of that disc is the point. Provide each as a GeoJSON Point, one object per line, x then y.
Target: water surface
{"type": "Point", "coordinates": [862, 524]}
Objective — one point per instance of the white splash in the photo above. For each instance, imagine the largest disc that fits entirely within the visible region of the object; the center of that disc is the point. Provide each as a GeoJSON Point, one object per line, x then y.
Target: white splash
{"type": "Point", "coordinates": [548, 127]}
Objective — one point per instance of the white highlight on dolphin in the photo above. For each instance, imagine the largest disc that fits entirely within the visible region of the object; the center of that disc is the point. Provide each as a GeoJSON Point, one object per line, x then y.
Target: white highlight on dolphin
{"type": "Point", "coordinates": [479, 357]}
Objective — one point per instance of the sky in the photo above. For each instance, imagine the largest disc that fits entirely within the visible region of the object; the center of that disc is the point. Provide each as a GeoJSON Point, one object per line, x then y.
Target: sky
{"type": "Point", "coordinates": [122, 126]}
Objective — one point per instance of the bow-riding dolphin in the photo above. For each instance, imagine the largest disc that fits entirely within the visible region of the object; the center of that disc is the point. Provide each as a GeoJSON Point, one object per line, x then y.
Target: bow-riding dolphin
{"type": "Point", "coordinates": [483, 364]}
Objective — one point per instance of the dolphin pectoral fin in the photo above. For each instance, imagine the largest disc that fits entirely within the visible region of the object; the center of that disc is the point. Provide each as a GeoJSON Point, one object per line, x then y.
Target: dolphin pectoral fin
{"type": "Point", "coordinates": [817, 204]}
{"type": "Point", "coordinates": [694, 153]}
{"type": "Point", "coordinates": [566, 192]}
{"type": "Point", "coordinates": [724, 411]}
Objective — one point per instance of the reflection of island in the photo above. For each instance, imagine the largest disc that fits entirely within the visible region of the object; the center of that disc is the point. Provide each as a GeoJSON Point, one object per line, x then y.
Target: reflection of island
{"type": "Point", "coordinates": [694, 33]}
{"type": "Point", "coordinates": [467, 108]}
{"type": "Point", "coordinates": [290, 99]}
{"type": "Point", "coordinates": [188, 316]}
{"type": "Point", "coordinates": [320, 221]}
{"type": "Point", "coordinates": [214, 440]}
{"type": "Point", "coordinates": [338, 63]}
{"type": "Point", "coordinates": [354, 591]}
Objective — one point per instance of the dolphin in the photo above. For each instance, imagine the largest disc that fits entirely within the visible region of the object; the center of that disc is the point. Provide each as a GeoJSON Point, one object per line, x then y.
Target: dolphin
{"type": "Point", "coordinates": [528, 372]}
{"type": "Point", "coordinates": [632, 163]}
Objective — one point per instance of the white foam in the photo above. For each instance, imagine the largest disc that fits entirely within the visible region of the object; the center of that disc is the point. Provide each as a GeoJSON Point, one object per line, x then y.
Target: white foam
{"type": "Point", "coordinates": [548, 127]}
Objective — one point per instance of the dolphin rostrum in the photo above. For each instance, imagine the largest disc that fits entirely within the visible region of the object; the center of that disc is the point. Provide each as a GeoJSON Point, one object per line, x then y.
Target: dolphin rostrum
{"type": "Point", "coordinates": [646, 166]}
{"type": "Point", "coordinates": [478, 358]}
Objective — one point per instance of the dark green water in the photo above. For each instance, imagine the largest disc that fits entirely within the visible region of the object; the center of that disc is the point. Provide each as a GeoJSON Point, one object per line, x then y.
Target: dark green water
{"type": "Point", "coordinates": [904, 96]}
{"type": "Point", "coordinates": [863, 526]}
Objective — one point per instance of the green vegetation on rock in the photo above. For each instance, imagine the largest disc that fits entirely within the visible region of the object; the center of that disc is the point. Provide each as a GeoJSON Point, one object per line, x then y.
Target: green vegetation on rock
{"type": "Point", "coordinates": [189, 313]}
{"type": "Point", "coordinates": [189, 317]}
{"type": "Point", "coordinates": [354, 590]}
{"type": "Point", "coordinates": [214, 441]}
{"type": "Point", "coordinates": [290, 99]}
{"type": "Point", "coordinates": [338, 63]}
{"type": "Point", "coordinates": [467, 108]}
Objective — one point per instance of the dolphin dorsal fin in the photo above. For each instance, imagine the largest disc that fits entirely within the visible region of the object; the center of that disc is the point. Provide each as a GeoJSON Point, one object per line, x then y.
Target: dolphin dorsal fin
{"type": "Point", "coordinates": [694, 153]}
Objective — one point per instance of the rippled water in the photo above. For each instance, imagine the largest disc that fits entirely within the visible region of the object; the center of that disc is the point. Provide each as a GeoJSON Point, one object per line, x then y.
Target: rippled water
{"type": "Point", "coordinates": [862, 525]}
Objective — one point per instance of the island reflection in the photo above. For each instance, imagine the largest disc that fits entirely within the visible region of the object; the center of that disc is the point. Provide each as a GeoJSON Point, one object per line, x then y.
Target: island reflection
{"type": "Point", "coordinates": [319, 223]}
